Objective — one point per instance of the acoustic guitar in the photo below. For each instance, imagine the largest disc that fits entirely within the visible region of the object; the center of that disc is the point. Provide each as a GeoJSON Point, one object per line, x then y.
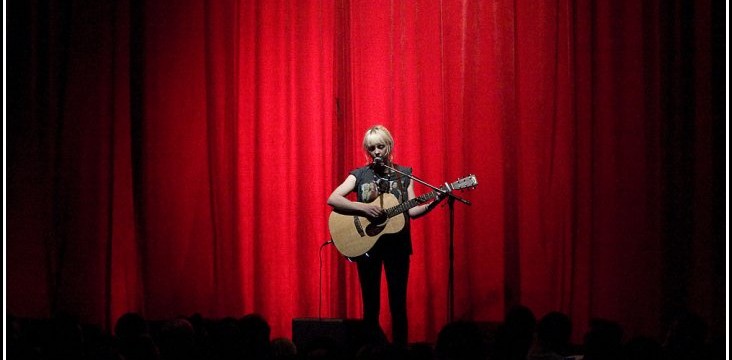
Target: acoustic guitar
{"type": "Point", "coordinates": [355, 235]}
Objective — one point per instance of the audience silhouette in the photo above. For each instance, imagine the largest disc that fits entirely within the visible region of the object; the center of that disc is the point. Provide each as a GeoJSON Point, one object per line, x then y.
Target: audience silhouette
{"type": "Point", "coordinates": [283, 349]}
{"type": "Point", "coordinates": [177, 341]}
{"type": "Point", "coordinates": [461, 340]}
{"type": "Point", "coordinates": [686, 337]}
{"type": "Point", "coordinates": [642, 348]}
{"type": "Point", "coordinates": [603, 341]}
{"type": "Point", "coordinates": [255, 333]}
{"type": "Point", "coordinates": [552, 337]}
{"type": "Point", "coordinates": [514, 337]}
{"type": "Point", "coordinates": [518, 337]}
{"type": "Point", "coordinates": [133, 338]}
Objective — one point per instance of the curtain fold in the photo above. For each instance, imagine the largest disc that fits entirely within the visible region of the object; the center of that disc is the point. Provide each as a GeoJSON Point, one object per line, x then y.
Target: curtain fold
{"type": "Point", "coordinates": [175, 158]}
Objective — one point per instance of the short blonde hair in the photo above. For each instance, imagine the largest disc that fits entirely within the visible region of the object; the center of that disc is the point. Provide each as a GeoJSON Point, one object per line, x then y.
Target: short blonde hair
{"type": "Point", "coordinates": [383, 133]}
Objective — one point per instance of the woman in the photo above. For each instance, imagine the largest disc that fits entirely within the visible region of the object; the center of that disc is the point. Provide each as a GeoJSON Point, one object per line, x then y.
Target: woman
{"type": "Point", "coordinates": [391, 251]}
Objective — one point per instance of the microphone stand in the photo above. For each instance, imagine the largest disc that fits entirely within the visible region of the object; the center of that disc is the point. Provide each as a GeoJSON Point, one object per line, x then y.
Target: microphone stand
{"type": "Point", "coordinates": [451, 252]}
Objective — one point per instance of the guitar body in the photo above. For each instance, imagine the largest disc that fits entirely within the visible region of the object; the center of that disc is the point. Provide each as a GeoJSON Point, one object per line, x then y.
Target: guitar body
{"type": "Point", "coordinates": [354, 235]}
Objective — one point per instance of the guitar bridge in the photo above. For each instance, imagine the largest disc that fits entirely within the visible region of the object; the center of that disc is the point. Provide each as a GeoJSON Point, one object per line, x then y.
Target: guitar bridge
{"type": "Point", "coordinates": [359, 228]}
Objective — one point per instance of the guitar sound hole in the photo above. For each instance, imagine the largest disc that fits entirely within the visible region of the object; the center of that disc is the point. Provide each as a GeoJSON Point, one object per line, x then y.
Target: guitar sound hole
{"type": "Point", "coordinates": [376, 226]}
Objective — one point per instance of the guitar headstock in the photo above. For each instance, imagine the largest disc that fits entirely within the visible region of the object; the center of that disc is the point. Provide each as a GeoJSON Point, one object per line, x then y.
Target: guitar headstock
{"type": "Point", "coordinates": [469, 181]}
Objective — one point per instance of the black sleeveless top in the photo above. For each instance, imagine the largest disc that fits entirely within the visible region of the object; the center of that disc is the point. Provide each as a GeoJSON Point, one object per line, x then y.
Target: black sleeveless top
{"type": "Point", "coordinates": [368, 187]}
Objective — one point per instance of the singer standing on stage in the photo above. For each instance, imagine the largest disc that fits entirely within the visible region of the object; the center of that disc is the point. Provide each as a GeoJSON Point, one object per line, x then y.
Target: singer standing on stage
{"type": "Point", "coordinates": [392, 251]}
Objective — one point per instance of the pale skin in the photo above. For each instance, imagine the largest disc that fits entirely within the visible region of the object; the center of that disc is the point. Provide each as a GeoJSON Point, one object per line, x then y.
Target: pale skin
{"type": "Point", "coordinates": [376, 147]}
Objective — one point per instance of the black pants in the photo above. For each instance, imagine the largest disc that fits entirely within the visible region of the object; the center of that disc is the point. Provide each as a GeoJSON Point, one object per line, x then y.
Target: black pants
{"type": "Point", "coordinates": [397, 273]}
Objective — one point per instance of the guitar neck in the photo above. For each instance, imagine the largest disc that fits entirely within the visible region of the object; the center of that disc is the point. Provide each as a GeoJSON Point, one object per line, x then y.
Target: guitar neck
{"type": "Point", "coordinates": [396, 210]}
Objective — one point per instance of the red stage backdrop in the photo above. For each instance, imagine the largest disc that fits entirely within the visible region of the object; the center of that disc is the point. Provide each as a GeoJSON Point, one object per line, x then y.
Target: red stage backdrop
{"type": "Point", "coordinates": [173, 158]}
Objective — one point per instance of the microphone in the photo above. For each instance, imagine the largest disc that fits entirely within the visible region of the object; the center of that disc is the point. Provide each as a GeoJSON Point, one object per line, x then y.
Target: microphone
{"type": "Point", "coordinates": [378, 161]}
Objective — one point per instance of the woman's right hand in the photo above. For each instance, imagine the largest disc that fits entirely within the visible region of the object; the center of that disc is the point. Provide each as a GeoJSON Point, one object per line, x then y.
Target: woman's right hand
{"type": "Point", "coordinates": [372, 211]}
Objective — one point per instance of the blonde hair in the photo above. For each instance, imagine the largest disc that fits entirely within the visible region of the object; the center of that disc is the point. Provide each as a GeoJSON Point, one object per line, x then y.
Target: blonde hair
{"type": "Point", "coordinates": [383, 133]}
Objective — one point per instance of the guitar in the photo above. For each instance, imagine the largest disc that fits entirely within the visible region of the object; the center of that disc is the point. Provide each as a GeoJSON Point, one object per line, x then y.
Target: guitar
{"type": "Point", "coordinates": [355, 235]}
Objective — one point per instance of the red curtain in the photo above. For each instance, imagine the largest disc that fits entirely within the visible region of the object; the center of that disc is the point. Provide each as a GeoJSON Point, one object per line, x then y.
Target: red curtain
{"type": "Point", "coordinates": [174, 158]}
